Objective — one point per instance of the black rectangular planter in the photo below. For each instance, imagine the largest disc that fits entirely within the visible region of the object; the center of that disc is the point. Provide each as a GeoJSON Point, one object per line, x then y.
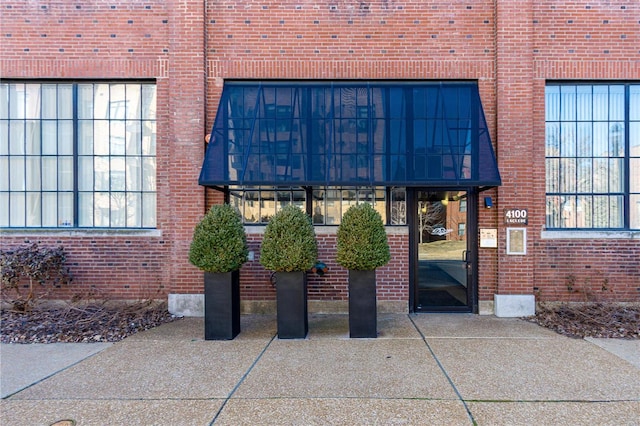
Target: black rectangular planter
{"type": "Point", "coordinates": [221, 305]}
{"type": "Point", "coordinates": [291, 301]}
{"type": "Point", "coordinates": [363, 315]}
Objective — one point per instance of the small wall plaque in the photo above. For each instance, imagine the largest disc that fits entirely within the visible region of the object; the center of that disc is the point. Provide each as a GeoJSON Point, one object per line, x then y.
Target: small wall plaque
{"type": "Point", "coordinates": [488, 238]}
{"type": "Point", "coordinates": [517, 241]}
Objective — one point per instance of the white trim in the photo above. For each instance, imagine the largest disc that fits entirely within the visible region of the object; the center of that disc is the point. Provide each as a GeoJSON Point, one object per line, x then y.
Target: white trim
{"type": "Point", "coordinates": [82, 232]}
{"type": "Point", "coordinates": [589, 235]}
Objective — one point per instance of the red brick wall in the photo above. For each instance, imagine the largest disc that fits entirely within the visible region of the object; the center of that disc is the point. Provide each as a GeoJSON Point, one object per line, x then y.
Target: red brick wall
{"type": "Point", "coordinates": [510, 47]}
{"type": "Point", "coordinates": [123, 40]}
{"type": "Point", "coordinates": [394, 277]}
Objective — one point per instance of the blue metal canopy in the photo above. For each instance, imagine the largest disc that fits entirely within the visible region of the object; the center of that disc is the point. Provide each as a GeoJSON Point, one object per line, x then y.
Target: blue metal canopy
{"type": "Point", "coordinates": [350, 133]}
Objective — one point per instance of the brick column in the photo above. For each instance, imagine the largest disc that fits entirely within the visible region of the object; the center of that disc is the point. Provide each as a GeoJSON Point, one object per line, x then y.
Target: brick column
{"type": "Point", "coordinates": [185, 198]}
{"type": "Point", "coordinates": [515, 72]}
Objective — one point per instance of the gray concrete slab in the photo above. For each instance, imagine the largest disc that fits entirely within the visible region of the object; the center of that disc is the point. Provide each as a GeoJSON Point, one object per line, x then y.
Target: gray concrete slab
{"type": "Point", "coordinates": [629, 350]}
{"type": "Point", "coordinates": [22, 365]}
{"type": "Point", "coordinates": [367, 368]}
{"type": "Point", "coordinates": [88, 412]}
{"type": "Point", "coordinates": [340, 411]}
{"type": "Point", "coordinates": [535, 370]}
{"type": "Point", "coordinates": [603, 413]}
{"type": "Point", "coordinates": [154, 370]}
{"type": "Point", "coordinates": [469, 369]}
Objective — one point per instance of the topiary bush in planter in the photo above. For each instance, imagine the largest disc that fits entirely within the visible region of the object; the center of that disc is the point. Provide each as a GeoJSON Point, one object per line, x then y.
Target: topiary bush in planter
{"type": "Point", "coordinates": [361, 239]}
{"type": "Point", "coordinates": [219, 248]}
{"type": "Point", "coordinates": [289, 248]}
{"type": "Point", "coordinates": [362, 247]}
{"type": "Point", "coordinates": [219, 241]}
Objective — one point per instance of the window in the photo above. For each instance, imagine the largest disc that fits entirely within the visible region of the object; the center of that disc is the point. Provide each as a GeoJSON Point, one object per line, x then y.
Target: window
{"type": "Point", "coordinates": [77, 155]}
{"type": "Point", "coordinates": [592, 156]}
{"type": "Point", "coordinates": [327, 204]}
{"type": "Point", "coordinates": [462, 227]}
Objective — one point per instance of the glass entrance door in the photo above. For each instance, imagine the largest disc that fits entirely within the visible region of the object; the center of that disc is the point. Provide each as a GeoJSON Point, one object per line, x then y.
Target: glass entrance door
{"type": "Point", "coordinates": [443, 268]}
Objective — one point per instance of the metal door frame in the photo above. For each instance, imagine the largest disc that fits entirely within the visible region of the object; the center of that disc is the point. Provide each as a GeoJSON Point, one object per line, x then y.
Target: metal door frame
{"type": "Point", "coordinates": [472, 249]}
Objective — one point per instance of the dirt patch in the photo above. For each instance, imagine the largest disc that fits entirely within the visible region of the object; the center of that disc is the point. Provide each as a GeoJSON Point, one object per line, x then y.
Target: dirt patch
{"type": "Point", "coordinates": [603, 320]}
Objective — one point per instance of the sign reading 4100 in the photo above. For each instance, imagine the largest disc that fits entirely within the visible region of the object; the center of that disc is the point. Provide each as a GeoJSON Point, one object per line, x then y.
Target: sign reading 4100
{"type": "Point", "coordinates": [516, 216]}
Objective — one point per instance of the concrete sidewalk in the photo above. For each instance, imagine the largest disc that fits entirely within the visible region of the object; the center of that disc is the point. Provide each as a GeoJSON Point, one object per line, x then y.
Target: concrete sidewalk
{"type": "Point", "coordinates": [443, 369]}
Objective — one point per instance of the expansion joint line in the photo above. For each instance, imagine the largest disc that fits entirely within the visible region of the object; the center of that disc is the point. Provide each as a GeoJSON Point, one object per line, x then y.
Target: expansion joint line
{"type": "Point", "coordinates": [235, 388]}
{"type": "Point", "coordinates": [455, 389]}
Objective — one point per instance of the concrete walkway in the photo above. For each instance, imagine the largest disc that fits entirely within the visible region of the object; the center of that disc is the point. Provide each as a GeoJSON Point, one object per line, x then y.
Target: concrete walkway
{"type": "Point", "coordinates": [425, 369]}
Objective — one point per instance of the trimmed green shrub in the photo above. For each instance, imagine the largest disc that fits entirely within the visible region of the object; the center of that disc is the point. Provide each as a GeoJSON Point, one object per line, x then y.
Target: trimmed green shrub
{"type": "Point", "coordinates": [289, 243]}
{"type": "Point", "coordinates": [362, 240]}
{"type": "Point", "coordinates": [219, 241]}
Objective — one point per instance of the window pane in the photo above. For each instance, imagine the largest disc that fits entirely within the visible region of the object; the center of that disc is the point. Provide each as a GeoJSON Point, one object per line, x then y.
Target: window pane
{"type": "Point", "coordinates": [616, 208]}
{"type": "Point", "coordinates": [118, 214]}
{"type": "Point", "coordinates": [101, 137]}
{"type": "Point", "coordinates": [584, 104]}
{"type": "Point", "coordinates": [117, 104]}
{"type": "Point", "coordinates": [17, 214]}
{"type": "Point", "coordinates": [32, 103]}
{"type": "Point", "coordinates": [117, 174]}
{"type": "Point", "coordinates": [133, 138]}
{"type": "Point", "coordinates": [133, 174]}
{"type": "Point", "coordinates": [117, 137]}
{"type": "Point", "coordinates": [17, 175]}
{"type": "Point", "coordinates": [134, 210]}
{"type": "Point", "coordinates": [4, 175]}
{"type": "Point", "coordinates": [567, 175]}
{"type": "Point", "coordinates": [616, 103]}
{"type": "Point", "coordinates": [85, 207]}
{"type": "Point", "coordinates": [85, 101]}
{"type": "Point", "coordinates": [133, 102]}
{"type": "Point", "coordinates": [635, 211]}
{"type": "Point", "coordinates": [16, 137]}
{"type": "Point", "coordinates": [49, 101]}
{"type": "Point", "coordinates": [552, 103]}
{"type": "Point", "coordinates": [4, 101]}
{"type": "Point", "coordinates": [568, 103]}
{"type": "Point", "coordinates": [34, 209]}
{"type": "Point", "coordinates": [4, 136]}
{"type": "Point", "coordinates": [49, 174]}
{"type": "Point", "coordinates": [148, 138]}
{"type": "Point", "coordinates": [65, 137]}
{"type": "Point", "coordinates": [552, 139]}
{"type": "Point", "coordinates": [148, 102]}
{"type": "Point", "coordinates": [634, 103]}
{"type": "Point", "coordinates": [65, 173]}
{"type": "Point", "coordinates": [101, 173]}
{"type": "Point", "coordinates": [585, 175]}
{"type": "Point", "coordinates": [601, 211]}
{"type": "Point", "coordinates": [85, 137]}
{"type": "Point", "coordinates": [149, 174]}
{"type": "Point", "coordinates": [149, 210]}
{"type": "Point", "coordinates": [32, 165]}
{"type": "Point", "coordinates": [616, 140]}
{"type": "Point", "coordinates": [85, 173]}
{"type": "Point", "coordinates": [600, 103]}
{"type": "Point", "coordinates": [600, 139]}
{"type": "Point", "coordinates": [616, 175]}
{"type": "Point", "coordinates": [634, 136]}
{"type": "Point", "coordinates": [585, 142]}
{"type": "Point", "coordinates": [49, 209]}
{"type": "Point", "coordinates": [65, 101]}
{"type": "Point", "coordinates": [101, 209]}
{"type": "Point", "coordinates": [4, 213]}
{"type": "Point", "coordinates": [32, 140]}
{"type": "Point", "coordinates": [65, 208]}
{"type": "Point", "coordinates": [101, 101]}
{"type": "Point", "coordinates": [568, 211]}
{"type": "Point", "coordinates": [634, 170]}
{"type": "Point", "coordinates": [584, 212]}
{"type": "Point", "coordinates": [49, 137]}
{"type": "Point", "coordinates": [600, 175]}
{"type": "Point", "coordinates": [568, 139]}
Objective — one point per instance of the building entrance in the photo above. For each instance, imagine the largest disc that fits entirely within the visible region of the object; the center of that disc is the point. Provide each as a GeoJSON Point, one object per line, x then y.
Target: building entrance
{"type": "Point", "coordinates": [443, 266]}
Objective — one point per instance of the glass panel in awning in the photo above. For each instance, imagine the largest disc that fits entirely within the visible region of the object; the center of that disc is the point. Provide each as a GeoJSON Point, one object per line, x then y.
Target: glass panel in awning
{"type": "Point", "coordinates": [350, 133]}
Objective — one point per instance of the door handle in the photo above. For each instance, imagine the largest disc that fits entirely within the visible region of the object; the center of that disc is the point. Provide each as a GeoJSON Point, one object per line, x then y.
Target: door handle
{"type": "Point", "coordinates": [464, 255]}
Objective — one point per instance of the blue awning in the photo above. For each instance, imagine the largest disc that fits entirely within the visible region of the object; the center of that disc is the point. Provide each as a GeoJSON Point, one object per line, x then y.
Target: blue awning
{"type": "Point", "coordinates": [350, 134]}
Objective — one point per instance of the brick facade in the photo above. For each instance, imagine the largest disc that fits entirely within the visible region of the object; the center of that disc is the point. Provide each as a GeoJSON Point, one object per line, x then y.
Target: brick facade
{"type": "Point", "coordinates": [191, 47]}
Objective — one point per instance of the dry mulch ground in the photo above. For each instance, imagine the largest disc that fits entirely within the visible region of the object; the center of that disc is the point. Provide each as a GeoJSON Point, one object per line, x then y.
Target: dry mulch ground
{"type": "Point", "coordinates": [102, 322]}
{"type": "Point", "coordinates": [604, 320]}
{"type": "Point", "coordinates": [86, 323]}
